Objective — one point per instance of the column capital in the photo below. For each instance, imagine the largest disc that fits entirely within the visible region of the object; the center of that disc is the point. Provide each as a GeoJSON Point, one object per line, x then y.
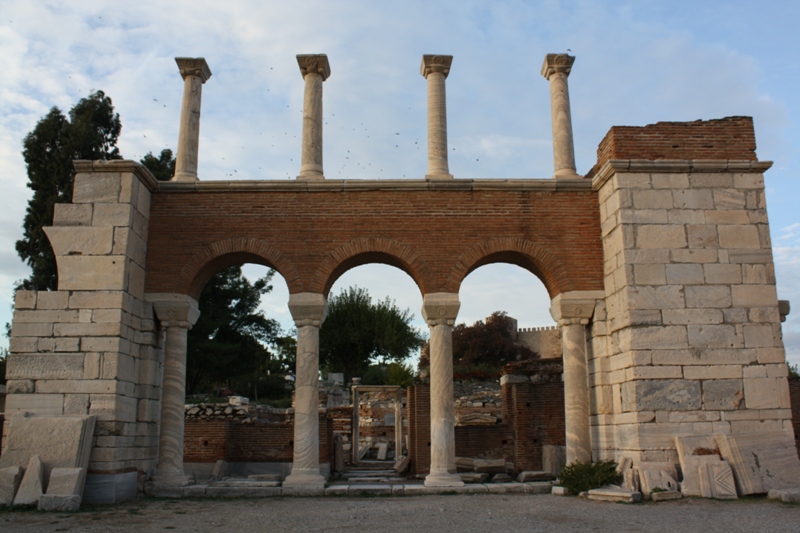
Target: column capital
{"type": "Point", "coordinates": [440, 308]}
{"type": "Point", "coordinates": [193, 66]}
{"type": "Point", "coordinates": [314, 63]}
{"type": "Point", "coordinates": [174, 310]}
{"type": "Point", "coordinates": [308, 308]}
{"type": "Point", "coordinates": [557, 63]}
{"type": "Point", "coordinates": [574, 307]}
{"type": "Point", "coordinates": [435, 63]}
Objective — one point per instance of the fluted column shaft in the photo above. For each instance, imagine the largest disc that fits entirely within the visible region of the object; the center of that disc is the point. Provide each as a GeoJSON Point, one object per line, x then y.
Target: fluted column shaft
{"type": "Point", "coordinates": [308, 311]}
{"type": "Point", "coordinates": [177, 314]}
{"type": "Point", "coordinates": [195, 72]}
{"type": "Point", "coordinates": [556, 69]}
{"type": "Point", "coordinates": [315, 70]}
{"type": "Point", "coordinates": [435, 69]}
{"type": "Point", "coordinates": [440, 311]}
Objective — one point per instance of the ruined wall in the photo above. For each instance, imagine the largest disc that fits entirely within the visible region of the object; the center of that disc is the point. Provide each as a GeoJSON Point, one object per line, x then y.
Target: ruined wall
{"type": "Point", "coordinates": [689, 339]}
{"type": "Point", "coordinates": [794, 392]}
{"type": "Point", "coordinates": [545, 341]}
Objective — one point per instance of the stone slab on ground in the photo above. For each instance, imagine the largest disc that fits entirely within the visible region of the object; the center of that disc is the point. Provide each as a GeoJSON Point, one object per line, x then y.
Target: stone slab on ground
{"type": "Point", "coordinates": [761, 461]}
{"type": "Point", "coordinates": [401, 464]}
{"type": "Point", "coordinates": [716, 480]}
{"type": "Point", "coordinates": [692, 452]}
{"type": "Point", "coordinates": [383, 449]}
{"type": "Point", "coordinates": [245, 492]}
{"type": "Point", "coordinates": [501, 478]}
{"type": "Point", "coordinates": [473, 477]}
{"type": "Point", "coordinates": [110, 488]}
{"type": "Point", "coordinates": [534, 475]}
{"type": "Point", "coordinates": [614, 494]}
{"type": "Point", "coordinates": [666, 495]}
{"type": "Point", "coordinates": [32, 485]}
{"type": "Point", "coordinates": [66, 482]}
{"type": "Point", "coordinates": [337, 490]}
{"type": "Point", "coordinates": [10, 478]}
{"type": "Point", "coordinates": [465, 464]}
{"type": "Point", "coordinates": [265, 477]}
{"type": "Point", "coordinates": [490, 466]}
{"type": "Point", "coordinates": [59, 502]}
{"type": "Point", "coordinates": [539, 487]}
{"type": "Point", "coordinates": [785, 495]}
{"type": "Point", "coordinates": [657, 475]}
{"type": "Point", "coordinates": [559, 491]}
{"type": "Point", "coordinates": [554, 458]}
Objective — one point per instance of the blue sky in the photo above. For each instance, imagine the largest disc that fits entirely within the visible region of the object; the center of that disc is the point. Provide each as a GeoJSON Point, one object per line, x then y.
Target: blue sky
{"type": "Point", "coordinates": [637, 63]}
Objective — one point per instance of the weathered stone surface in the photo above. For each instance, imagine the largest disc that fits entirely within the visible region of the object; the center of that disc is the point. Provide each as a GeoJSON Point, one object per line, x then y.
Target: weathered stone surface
{"type": "Point", "coordinates": [62, 366]}
{"type": "Point", "coordinates": [666, 495]}
{"type": "Point", "coordinates": [67, 240]}
{"type": "Point", "coordinates": [661, 395]}
{"type": "Point", "coordinates": [39, 404]}
{"type": "Point", "coordinates": [472, 477]}
{"type": "Point", "coordinates": [716, 480]}
{"type": "Point", "coordinates": [534, 475]}
{"type": "Point", "coordinates": [86, 273]}
{"type": "Point", "coordinates": [66, 481]}
{"type": "Point", "coordinates": [10, 479]}
{"type": "Point", "coordinates": [722, 394]}
{"type": "Point", "coordinates": [554, 458]}
{"type": "Point", "coordinates": [614, 494]}
{"type": "Point", "coordinates": [401, 464]}
{"type": "Point", "coordinates": [785, 495]}
{"type": "Point", "coordinates": [761, 461]}
{"type": "Point", "coordinates": [692, 452]}
{"type": "Point", "coordinates": [72, 215]}
{"type": "Point", "coordinates": [58, 502]}
{"type": "Point", "coordinates": [657, 475]}
{"type": "Point", "coordinates": [490, 466]}
{"type": "Point", "coordinates": [501, 478]}
{"type": "Point", "coordinates": [96, 187]}
{"type": "Point", "coordinates": [560, 491]}
{"type": "Point", "coordinates": [32, 485]}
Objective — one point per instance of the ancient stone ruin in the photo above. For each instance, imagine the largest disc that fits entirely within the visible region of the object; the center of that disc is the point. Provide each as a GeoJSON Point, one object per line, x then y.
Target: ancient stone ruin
{"type": "Point", "coordinates": [658, 263]}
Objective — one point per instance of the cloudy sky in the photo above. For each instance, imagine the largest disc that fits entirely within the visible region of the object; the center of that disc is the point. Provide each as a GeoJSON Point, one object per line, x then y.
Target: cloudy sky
{"type": "Point", "coordinates": [638, 62]}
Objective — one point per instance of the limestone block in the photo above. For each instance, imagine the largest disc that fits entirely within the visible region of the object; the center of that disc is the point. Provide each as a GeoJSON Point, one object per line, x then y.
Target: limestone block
{"type": "Point", "coordinates": [748, 181]}
{"type": "Point", "coordinates": [96, 187]}
{"type": "Point", "coordinates": [653, 372]}
{"type": "Point", "coordinates": [40, 404]}
{"type": "Point", "coordinates": [652, 199]}
{"type": "Point", "coordinates": [723, 394]}
{"type": "Point", "coordinates": [21, 386]}
{"type": "Point", "coordinates": [656, 337]}
{"type": "Point", "coordinates": [708, 296]}
{"type": "Point", "coordinates": [713, 372]}
{"type": "Point", "coordinates": [670, 181]}
{"type": "Point", "coordinates": [68, 240]}
{"type": "Point", "coordinates": [758, 336]}
{"type": "Point", "coordinates": [761, 393]}
{"type": "Point", "coordinates": [23, 344]}
{"type": "Point", "coordinates": [614, 494]}
{"type": "Point", "coordinates": [703, 236]}
{"type": "Point", "coordinates": [739, 237]}
{"type": "Point", "coordinates": [692, 316]}
{"type": "Point", "coordinates": [750, 256]}
{"type": "Point", "coordinates": [705, 180]}
{"type": "Point", "coordinates": [729, 199]}
{"type": "Point", "coordinates": [657, 475]}
{"type": "Point", "coordinates": [105, 344]}
{"type": "Point", "coordinates": [113, 215]}
{"type": "Point", "coordinates": [52, 300]}
{"type": "Point", "coordinates": [55, 366]}
{"type": "Point", "coordinates": [660, 236]}
{"type": "Point", "coordinates": [66, 344]}
{"type": "Point", "coordinates": [76, 404]}
{"type": "Point", "coordinates": [685, 216]}
{"type": "Point", "coordinates": [136, 280]}
{"type": "Point", "coordinates": [32, 485]}
{"type": "Point", "coordinates": [694, 255]}
{"type": "Point", "coordinates": [10, 479]}
{"type": "Point", "coordinates": [761, 461]}
{"type": "Point", "coordinates": [726, 217]}
{"type": "Point", "coordinates": [113, 407]}
{"type": "Point", "coordinates": [78, 272]}
{"type": "Point", "coordinates": [119, 366]}
{"type": "Point", "coordinates": [716, 480]}
{"type": "Point", "coordinates": [713, 336]}
{"type": "Point", "coordinates": [72, 215]}
{"type": "Point", "coordinates": [58, 503]}
{"type": "Point", "coordinates": [771, 355]}
{"type": "Point", "coordinates": [143, 203]}
{"type": "Point", "coordinates": [31, 329]}
{"type": "Point", "coordinates": [685, 274]}
{"type": "Point", "coordinates": [66, 481]}
{"type": "Point", "coordinates": [764, 314]}
{"type": "Point", "coordinates": [693, 199]}
{"type": "Point", "coordinates": [692, 416]}
{"type": "Point", "coordinates": [76, 386]}
{"type": "Point", "coordinates": [716, 274]}
{"type": "Point", "coordinates": [661, 395]}
{"type": "Point", "coordinates": [692, 452]}
{"type": "Point", "coordinates": [659, 297]}
{"type": "Point", "coordinates": [98, 300]}
{"type": "Point", "coordinates": [129, 188]}
{"type": "Point", "coordinates": [650, 274]}
{"type": "Point", "coordinates": [785, 495]}
{"type": "Point", "coordinates": [640, 216]}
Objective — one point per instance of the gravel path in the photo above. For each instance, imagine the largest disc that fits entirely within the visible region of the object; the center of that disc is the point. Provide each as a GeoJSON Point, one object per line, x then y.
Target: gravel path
{"type": "Point", "coordinates": [461, 513]}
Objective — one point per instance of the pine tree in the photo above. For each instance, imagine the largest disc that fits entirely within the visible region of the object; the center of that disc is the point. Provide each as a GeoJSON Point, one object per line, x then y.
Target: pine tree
{"type": "Point", "coordinates": [90, 132]}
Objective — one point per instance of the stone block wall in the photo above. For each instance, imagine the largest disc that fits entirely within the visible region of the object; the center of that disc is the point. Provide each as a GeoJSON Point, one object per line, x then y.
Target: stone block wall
{"type": "Point", "coordinates": [545, 341]}
{"type": "Point", "coordinates": [91, 347]}
{"type": "Point", "coordinates": [688, 341]}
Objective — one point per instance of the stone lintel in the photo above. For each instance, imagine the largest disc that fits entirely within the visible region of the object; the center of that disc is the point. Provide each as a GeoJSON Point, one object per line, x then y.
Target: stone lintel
{"type": "Point", "coordinates": [440, 308]}
{"type": "Point", "coordinates": [308, 308]}
{"type": "Point", "coordinates": [435, 63]}
{"type": "Point", "coordinates": [575, 305]}
{"type": "Point", "coordinates": [557, 63]}
{"type": "Point", "coordinates": [193, 66]}
{"type": "Point", "coordinates": [174, 309]}
{"type": "Point", "coordinates": [84, 166]}
{"type": "Point", "coordinates": [663, 166]}
{"type": "Point", "coordinates": [316, 63]}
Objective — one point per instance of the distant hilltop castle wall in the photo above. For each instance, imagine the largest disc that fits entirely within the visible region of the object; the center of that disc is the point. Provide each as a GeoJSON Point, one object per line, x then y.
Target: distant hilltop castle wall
{"type": "Point", "coordinates": [546, 341]}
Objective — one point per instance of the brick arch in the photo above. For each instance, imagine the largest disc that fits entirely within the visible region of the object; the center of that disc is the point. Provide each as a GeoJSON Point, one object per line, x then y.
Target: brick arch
{"type": "Point", "coordinates": [235, 251]}
{"type": "Point", "coordinates": [370, 250]}
{"type": "Point", "coordinates": [532, 257]}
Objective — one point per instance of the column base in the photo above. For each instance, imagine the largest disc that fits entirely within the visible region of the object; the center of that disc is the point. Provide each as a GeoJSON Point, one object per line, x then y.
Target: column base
{"type": "Point", "coordinates": [303, 478]}
{"type": "Point", "coordinates": [171, 480]}
{"type": "Point", "coordinates": [183, 176]}
{"type": "Point", "coordinates": [568, 176]}
{"type": "Point", "coordinates": [438, 176]}
{"type": "Point", "coordinates": [443, 479]}
{"type": "Point", "coordinates": [311, 177]}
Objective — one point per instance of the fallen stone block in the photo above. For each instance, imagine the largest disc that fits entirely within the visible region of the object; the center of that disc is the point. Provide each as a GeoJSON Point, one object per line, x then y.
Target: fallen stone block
{"type": "Point", "coordinates": [665, 495]}
{"type": "Point", "coordinates": [220, 470]}
{"type": "Point", "coordinates": [560, 491]}
{"type": "Point", "coordinates": [65, 481]}
{"type": "Point", "coordinates": [401, 465]}
{"type": "Point", "coordinates": [534, 475]}
{"type": "Point", "coordinates": [716, 480]}
{"type": "Point", "coordinates": [465, 464]}
{"type": "Point", "coordinates": [265, 477]}
{"type": "Point", "coordinates": [785, 495]}
{"type": "Point", "coordinates": [32, 483]}
{"type": "Point", "coordinates": [692, 452]}
{"type": "Point", "coordinates": [539, 487]}
{"type": "Point", "coordinates": [657, 475]}
{"type": "Point", "coordinates": [58, 502]}
{"type": "Point", "coordinates": [501, 478]}
{"type": "Point", "coordinates": [10, 478]}
{"type": "Point", "coordinates": [472, 477]}
{"type": "Point", "coordinates": [383, 449]}
{"type": "Point", "coordinates": [614, 494]}
{"type": "Point", "coordinates": [761, 461]}
{"type": "Point", "coordinates": [490, 466]}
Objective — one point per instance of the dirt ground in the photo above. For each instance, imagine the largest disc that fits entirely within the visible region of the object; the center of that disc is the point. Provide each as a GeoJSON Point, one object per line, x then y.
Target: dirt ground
{"type": "Point", "coordinates": [441, 513]}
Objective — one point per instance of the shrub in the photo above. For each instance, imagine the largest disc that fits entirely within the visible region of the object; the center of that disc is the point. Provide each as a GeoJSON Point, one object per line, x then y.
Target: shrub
{"type": "Point", "coordinates": [579, 477]}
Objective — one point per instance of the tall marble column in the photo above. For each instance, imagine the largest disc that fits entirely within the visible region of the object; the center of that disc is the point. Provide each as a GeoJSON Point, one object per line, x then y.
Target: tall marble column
{"type": "Point", "coordinates": [435, 69]}
{"type": "Point", "coordinates": [308, 311]}
{"type": "Point", "coordinates": [315, 70]}
{"type": "Point", "coordinates": [572, 311]}
{"type": "Point", "coordinates": [439, 310]}
{"type": "Point", "coordinates": [195, 72]}
{"type": "Point", "coordinates": [556, 69]}
{"type": "Point", "coordinates": [177, 314]}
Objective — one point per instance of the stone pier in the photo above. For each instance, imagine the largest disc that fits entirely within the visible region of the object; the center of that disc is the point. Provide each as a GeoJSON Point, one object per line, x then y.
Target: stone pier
{"type": "Point", "coordinates": [435, 69]}
{"type": "Point", "coordinates": [315, 70]}
{"type": "Point", "coordinates": [195, 73]}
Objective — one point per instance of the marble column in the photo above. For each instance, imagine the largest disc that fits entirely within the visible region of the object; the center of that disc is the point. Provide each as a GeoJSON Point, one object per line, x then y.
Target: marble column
{"type": "Point", "coordinates": [195, 72]}
{"type": "Point", "coordinates": [435, 69]}
{"type": "Point", "coordinates": [308, 311]}
{"type": "Point", "coordinates": [439, 310]}
{"type": "Point", "coordinates": [556, 69]}
{"type": "Point", "coordinates": [177, 314]}
{"type": "Point", "coordinates": [573, 311]}
{"type": "Point", "coordinates": [315, 70]}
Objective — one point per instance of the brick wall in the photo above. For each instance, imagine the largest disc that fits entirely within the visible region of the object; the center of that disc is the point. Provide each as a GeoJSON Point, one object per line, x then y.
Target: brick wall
{"type": "Point", "coordinates": [538, 419]}
{"type": "Point", "coordinates": [208, 441]}
{"type": "Point", "coordinates": [491, 442]}
{"type": "Point", "coordinates": [419, 429]}
{"type": "Point", "coordinates": [794, 393]}
{"type": "Point", "coordinates": [726, 138]}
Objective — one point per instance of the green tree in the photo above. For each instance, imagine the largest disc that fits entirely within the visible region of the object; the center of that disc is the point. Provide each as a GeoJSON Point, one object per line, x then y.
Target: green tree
{"type": "Point", "coordinates": [229, 342]}
{"type": "Point", "coordinates": [90, 132]}
{"type": "Point", "coordinates": [358, 332]}
{"type": "Point", "coordinates": [162, 167]}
